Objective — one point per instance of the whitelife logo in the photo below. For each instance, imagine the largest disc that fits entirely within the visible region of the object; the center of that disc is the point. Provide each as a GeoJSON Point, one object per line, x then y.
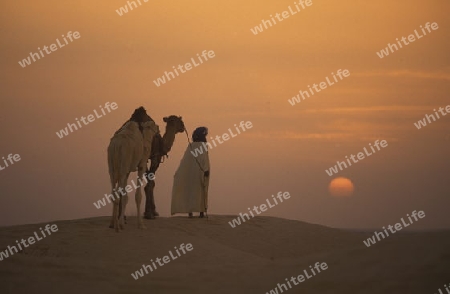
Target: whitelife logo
{"type": "Point", "coordinates": [206, 146]}
{"type": "Point", "coordinates": [237, 221]}
{"type": "Point", "coordinates": [31, 240]}
{"type": "Point", "coordinates": [284, 15]}
{"type": "Point", "coordinates": [397, 226]}
{"type": "Point", "coordinates": [360, 155]}
{"type": "Point", "coordinates": [11, 158]}
{"type": "Point", "coordinates": [187, 66]}
{"type": "Point", "coordinates": [90, 118]}
{"type": "Point", "coordinates": [165, 260]}
{"type": "Point", "coordinates": [122, 10]}
{"type": "Point", "coordinates": [423, 123]}
{"type": "Point", "coordinates": [340, 73]}
{"type": "Point", "coordinates": [53, 48]}
{"type": "Point", "coordinates": [411, 38]}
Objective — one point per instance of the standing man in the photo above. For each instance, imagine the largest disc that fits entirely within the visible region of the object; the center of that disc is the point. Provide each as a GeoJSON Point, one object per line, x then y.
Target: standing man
{"type": "Point", "coordinates": [191, 180]}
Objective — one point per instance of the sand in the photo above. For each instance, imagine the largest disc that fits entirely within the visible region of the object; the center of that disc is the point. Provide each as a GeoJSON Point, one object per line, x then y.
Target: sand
{"type": "Point", "coordinates": [85, 256]}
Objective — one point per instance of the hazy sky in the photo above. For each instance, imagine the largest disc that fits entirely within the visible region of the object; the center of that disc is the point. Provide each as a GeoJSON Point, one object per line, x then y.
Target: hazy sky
{"type": "Point", "coordinates": [250, 78]}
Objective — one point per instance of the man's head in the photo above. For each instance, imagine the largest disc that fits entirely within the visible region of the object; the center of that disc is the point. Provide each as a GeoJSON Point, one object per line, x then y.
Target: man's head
{"type": "Point", "coordinates": [199, 135]}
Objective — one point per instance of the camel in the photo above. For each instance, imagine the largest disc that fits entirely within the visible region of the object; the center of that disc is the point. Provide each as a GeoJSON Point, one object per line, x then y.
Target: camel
{"type": "Point", "coordinates": [160, 147]}
{"type": "Point", "coordinates": [128, 151]}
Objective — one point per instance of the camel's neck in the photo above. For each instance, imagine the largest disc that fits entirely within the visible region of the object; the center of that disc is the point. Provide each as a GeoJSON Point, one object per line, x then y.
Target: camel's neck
{"type": "Point", "coordinates": [168, 139]}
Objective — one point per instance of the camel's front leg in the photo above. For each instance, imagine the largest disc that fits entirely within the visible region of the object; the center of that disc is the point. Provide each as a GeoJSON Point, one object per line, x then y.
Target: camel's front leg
{"type": "Point", "coordinates": [122, 208]}
{"type": "Point", "coordinates": [138, 197]}
{"type": "Point", "coordinates": [149, 212]}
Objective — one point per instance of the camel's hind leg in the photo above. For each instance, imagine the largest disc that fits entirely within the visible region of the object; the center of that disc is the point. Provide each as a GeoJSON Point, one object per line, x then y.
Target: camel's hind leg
{"type": "Point", "coordinates": [111, 224]}
{"type": "Point", "coordinates": [116, 214]}
{"type": "Point", "coordinates": [123, 201]}
{"type": "Point", "coordinates": [138, 197]}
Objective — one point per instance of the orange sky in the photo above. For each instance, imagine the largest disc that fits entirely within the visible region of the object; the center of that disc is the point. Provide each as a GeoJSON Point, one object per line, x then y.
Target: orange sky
{"type": "Point", "coordinates": [249, 79]}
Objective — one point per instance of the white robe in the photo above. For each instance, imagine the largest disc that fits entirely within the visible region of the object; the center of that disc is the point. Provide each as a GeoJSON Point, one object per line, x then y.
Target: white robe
{"type": "Point", "coordinates": [190, 186]}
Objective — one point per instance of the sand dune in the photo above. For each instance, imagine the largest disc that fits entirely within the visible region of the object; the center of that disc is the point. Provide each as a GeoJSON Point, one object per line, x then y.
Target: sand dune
{"type": "Point", "coordinates": [84, 256]}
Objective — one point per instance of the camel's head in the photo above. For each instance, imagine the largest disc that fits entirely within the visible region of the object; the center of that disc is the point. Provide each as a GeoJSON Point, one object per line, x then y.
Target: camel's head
{"type": "Point", "coordinates": [176, 122]}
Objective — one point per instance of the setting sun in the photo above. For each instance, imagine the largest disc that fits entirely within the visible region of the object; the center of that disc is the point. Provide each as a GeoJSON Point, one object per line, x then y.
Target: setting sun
{"type": "Point", "coordinates": [341, 187]}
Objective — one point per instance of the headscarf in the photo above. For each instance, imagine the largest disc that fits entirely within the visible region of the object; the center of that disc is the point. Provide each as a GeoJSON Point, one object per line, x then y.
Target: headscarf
{"type": "Point", "coordinates": [199, 135]}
